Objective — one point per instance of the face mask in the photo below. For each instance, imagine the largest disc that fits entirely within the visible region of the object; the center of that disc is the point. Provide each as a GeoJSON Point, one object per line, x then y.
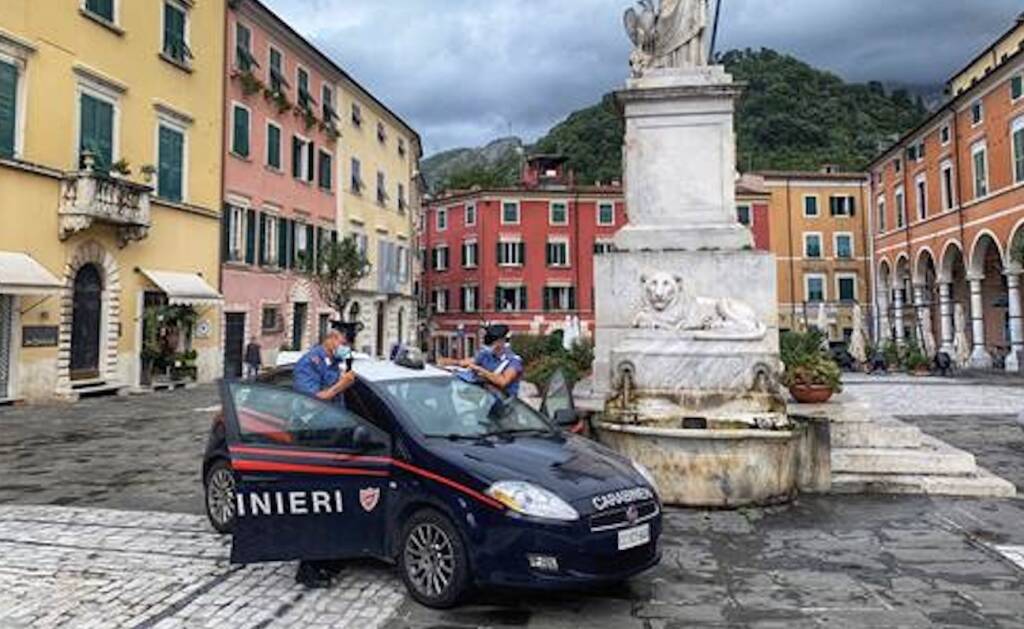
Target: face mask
{"type": "Point", "coordinates": [343, 353]}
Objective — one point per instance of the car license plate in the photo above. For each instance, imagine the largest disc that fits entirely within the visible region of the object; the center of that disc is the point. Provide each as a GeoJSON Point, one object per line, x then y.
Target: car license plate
{"type": "Point", "coordinates": [636, 536]}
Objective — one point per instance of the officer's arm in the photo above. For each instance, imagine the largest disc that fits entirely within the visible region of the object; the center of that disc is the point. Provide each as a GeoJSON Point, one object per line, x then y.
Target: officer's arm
{"type": "Point", "coordinates": [307, 382]}
{"type": "Point", "coordinates": [500, 380]}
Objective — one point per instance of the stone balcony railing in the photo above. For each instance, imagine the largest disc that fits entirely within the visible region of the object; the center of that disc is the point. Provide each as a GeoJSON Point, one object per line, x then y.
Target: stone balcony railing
{"type": "Point", "coordinates": [90, 196]}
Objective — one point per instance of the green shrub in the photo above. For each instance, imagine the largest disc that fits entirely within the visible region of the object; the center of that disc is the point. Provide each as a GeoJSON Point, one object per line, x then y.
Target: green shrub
{"type": "Point", "coordinates": [914, 357]}
{"type": "Point", "coordinates": [807, 361]}
{"type": "Point", "coordinates": [544, 355]}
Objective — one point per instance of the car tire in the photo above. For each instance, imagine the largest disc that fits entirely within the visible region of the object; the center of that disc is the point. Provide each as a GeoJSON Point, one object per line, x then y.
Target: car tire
{"type": "Point", "coordinates": [433, 560]}
{"type": "Point", "coordinates": [219, 490]}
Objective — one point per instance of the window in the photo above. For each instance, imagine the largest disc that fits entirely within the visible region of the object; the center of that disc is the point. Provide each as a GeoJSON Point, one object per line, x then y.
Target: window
{"type": "Point", "coordinates": [441, 258]}
{"type": "Point", "coordinates": [605, 213]}
{"type": "Point", "coordinates": [979, 158]}
{"type": "Point", "coordinates": [8, 109]}
{"type": "Point", "coordinates": [236, 228]}
{"type": "Point", "coordinates": [811, 206]}
{"type": "Point", "coordinates": [945, 135]}
{"type": "Point", "coordinates": [244, 59]}
{"type": "Point", "coordinates": [303, 159]}
{"type": "Point", "coordinates": [357, 177]}
{"type": "Point", "coordinates": [1016, 88]}
{"type": "Point", "coordinates": [470, 252]}
{"type": "Point", "coordinates": [271, 319]}
{"type": "Point", "coordinates": [401, 147]}
{"type": "Point", "coordinates": [101, 8]}
{"type": "Point", "coordinates": [268, 238]}
{"type": "Point", "coordinates": [846, 287]}
{"type": "Point", "coordinates": [842, 205]}
{"type": "Point", "coordinates": [844, 246]}
{"type": "Point", "coordinates": [278, 84]}
{"type": "Point", "coordinates": [273, 146]}
{"type": "Point", "coordinates": [357, 115]}
{"type": "Point", "coordinates": [948, 191]}
{"type": "Point", "coordinates": [897, 165]}
{"type": "Point", "coordinates": [170, 163]}
{"type": "Point", "coordinates": [470, 214]}
{"type": "Point", "coordinates": [882, 218]}
{"type": "Point", "coordinates": [470, 298]}
{"type": "Point", "coordinates": [977, 113]}
{"type": "Point", "coordinates": [812, 246]}
{"type": "Point", "coordinates": [603, 246]}
{"type": "Point", "coordinates": [510, 213]}
{"type": "Point", "coordinates": [921, 187]}
{"type": "Point", "coordinates": [327, 104]}
{"type": "Point", "coordinates": [439, 300]}
{"type": "Point", "coordinates": [176, 33]}
{"type": "Point", "coordinates": [400, 191]}
{"type": "Point", "coordinates": [814, 286]}
{"type": "Point", "coordinates": [511, 253]}
{"type": "Point", "coordinates": [96, 130]}
{"type": "Point", "coordinates": [442, 219]}
{"type": "Point", "coordinates": [1018, 150]}
{"type": "Point", "coordinates": [382, 191]}
{"type": "Point", "coordinates": [559, 298]}
{"type": "Point", "coordinates": [302, 81]}
{"type": "Point", "coordinates": [901, 209]}
{"type": "Point", "coordinates": [558, 213]}
{"type": "Point", "coordinates": [558, 253]}
{"type": "Point", "coordinates": [325, 170]}
{"type": "Point", "coordinates": [240, 131]}
{"type": "Point", "coordinates": [744, 215]}
{"type": "Point", "coordinates": [510, 298]}
{"type": "Point", "coordinates": [382, 134]}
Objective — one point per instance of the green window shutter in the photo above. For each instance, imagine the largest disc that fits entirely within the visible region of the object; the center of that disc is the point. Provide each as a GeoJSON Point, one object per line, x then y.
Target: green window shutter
{"type": "Point", "coordinates": [261, 255]}
{"type": "Point", "coordinates": [250, 237]}
{"type": "Point", "coordinates": [310, 248]}
{"type": "Point", "coordinates": [102, 8]}
{"type": "Point", "coordinates": [170, 172]}
{"type": "Point", "coordinates": [282, 242]}
{"type": "Point", "coordinates": [225, 233]}
{"type": "Point", "coordinates": [273, 146]}
{"type": "Point", "coordinates": [174, 32]}
{"type": "Point", "coordinates": [326, 171]}
{"type": "Point", "coordinates": [296, 157]}
{"type": "Point", "coordinates": [1018, 155]}
{"type": "Point", "coordinates": [310, 162]}
{"type": "Point", "coordinates": [97, 130]}
{"type": "Point", "coordinates": [291, 244]}
{"type": "Point", "coordinates": [8, 107]}
{"type": "Point", "coordinates": [1017, 87]}
{"type": "Point", "coordinates": [240, 139]}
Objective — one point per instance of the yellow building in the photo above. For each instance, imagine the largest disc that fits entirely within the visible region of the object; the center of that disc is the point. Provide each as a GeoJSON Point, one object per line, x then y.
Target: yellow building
{"type": "Point", "coordinates": [90, 90]}
{"type": "Point", "coordinates": [380, 199]}
{"type": "Point", "coordinates": [1006, 46]}
{"type": "Point", "coordinates": [819, 234]}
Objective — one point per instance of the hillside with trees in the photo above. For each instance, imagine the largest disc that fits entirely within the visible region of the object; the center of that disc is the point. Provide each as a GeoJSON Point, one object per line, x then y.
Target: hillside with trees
{"type": "Point", "coordinates": [791, 116]}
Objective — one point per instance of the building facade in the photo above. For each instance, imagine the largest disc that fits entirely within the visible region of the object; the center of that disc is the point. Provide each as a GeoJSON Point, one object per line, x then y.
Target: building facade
{"type": "Point", "coordinates": [524, 255]}
{"type": "Point", "coordinates": [948, 212]}
{"type": "Point", "coordinates": [301, 136]}
{"type": "Point", "coordinates": [110, 167]}
{"type": "Point", "coordinates": [820, 239]}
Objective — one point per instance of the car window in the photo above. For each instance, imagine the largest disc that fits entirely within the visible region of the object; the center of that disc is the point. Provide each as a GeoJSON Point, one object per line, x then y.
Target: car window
{"type": "Point", "coordinates": [271, 415]}
{"type": "Point", "coordinates": [279, 378]}
{"type": "Point", "coordinates": [368, 406]}
{"type": "Point", "coordinates": [558, 396]}
{"type": "Point", "coordinates": [450, 407]}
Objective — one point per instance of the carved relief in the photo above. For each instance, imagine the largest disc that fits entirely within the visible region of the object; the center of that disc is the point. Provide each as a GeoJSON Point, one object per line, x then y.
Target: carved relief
{"type": "Point", "coordinates": [666, 304]}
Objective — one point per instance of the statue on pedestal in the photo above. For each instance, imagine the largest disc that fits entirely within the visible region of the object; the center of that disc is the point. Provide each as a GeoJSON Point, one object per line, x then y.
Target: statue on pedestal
{"type": "Point", "coordinates": [673, 36]}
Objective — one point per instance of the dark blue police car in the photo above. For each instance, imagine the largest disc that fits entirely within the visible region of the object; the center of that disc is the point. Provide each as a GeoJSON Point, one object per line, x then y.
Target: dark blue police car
{"type": "Point", "coordinates": [456, 484]}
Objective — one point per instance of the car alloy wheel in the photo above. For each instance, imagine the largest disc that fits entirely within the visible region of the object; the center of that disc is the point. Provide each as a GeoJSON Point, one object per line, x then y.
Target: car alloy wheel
{"type": "Point", "coordinates": [433, 560]}
{"type": "Point", "coordinates": [220, 497]}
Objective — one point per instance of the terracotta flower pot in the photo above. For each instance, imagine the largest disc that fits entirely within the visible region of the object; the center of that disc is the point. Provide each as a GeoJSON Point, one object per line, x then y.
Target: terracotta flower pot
{"type": "Point", "coordinates": [811, 394]}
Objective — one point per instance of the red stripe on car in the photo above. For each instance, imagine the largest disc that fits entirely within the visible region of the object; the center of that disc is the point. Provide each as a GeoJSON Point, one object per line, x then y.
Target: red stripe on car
{"type": "Point", "coordinates": [243, 465]}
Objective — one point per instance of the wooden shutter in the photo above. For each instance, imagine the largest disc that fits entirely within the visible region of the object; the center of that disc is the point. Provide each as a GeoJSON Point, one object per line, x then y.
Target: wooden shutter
{"type": "Point", "coordinates": [296, 157]}
{"type": "Point", "coordinates": [170, 172]}
{"type": "Point", "coordinates": [310, 248]}
{"type": "Point", "coordinates": [497, 299]}
{"type": "Point", "coordinates": [103, 8]}
{"type": "Point", "coordinates": [225, 234]}
{"type": "Point", "coordinates": [261, 255]}
{"type": "Point", "coordinates": [97, 130]}
{"type": "Point", "coordinates": [523, 304]}
{"type": "Point", "coordinates": [547, 298]}
{"type": "Point", "coordinates": [310, 162]}
{"type": "Point", "coordinates": [282, 242]}
{"type": "Point", "coordinates": [8, 107]}
{"type": "Point", "coordinates": [498, 254]}
{"type": "Point", "coordinates": [852, 207]}
{"type": "Point", "coordinates": [240, 142]}
{"type": "Point", "coordinates": [522, 253]}
{"type": "Point", "coordinates": [250, 237]}
{"type": "Point", "coordinates": [292, 226]}
{"type": "Point", "coordinates": [572, 298]}
{"type": "Point", "coordinates": [273, 146]}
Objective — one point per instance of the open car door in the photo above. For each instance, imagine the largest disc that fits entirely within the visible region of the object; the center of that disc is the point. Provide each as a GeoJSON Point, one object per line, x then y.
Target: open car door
{"type": "Point", "coordinates": [558, 404]}
{"type": "Point", "coordinates": [312, 477]}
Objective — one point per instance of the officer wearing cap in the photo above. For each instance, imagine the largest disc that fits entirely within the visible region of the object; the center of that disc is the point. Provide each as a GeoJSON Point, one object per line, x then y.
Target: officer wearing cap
{"type": "Point", "coordinates": [496, 363]}
{"type": "Point", "coordinates": [318, 372]}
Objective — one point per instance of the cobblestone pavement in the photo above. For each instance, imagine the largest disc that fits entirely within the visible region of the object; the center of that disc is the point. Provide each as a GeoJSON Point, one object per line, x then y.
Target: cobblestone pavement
{"type": "Point", "coordinates": [62, 566]}
{"type": "Point", "coordinates": [901, 394]}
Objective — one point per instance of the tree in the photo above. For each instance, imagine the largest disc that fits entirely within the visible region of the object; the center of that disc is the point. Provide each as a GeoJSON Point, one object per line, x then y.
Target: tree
{"type": "Point", "coordinates": [342, 265]}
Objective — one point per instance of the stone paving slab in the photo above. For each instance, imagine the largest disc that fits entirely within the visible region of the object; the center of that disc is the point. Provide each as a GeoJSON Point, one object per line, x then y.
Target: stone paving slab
{"type": "Point", "coordinates": [72, 567]}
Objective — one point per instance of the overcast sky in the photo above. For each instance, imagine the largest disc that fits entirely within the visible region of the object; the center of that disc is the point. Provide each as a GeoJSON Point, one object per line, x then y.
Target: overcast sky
{"type": "Point", "coordinates": [464, 72]}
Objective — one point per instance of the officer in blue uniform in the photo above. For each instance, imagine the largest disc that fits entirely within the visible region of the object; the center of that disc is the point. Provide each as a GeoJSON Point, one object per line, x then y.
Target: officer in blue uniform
{"type": "Point", "coordinates": [318, 374]}
{"type": "Point", "coordinates": [496, 363]}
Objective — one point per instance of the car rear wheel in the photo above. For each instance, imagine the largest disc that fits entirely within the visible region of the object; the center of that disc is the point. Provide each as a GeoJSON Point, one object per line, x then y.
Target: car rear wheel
{"type": "Point", "coordinates": [433, 560]}
{"type": "Point", "coordinates": [220, 496]}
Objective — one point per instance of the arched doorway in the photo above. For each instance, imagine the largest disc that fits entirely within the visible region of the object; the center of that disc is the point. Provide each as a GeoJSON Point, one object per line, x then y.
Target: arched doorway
{"type": "Point", "coordinates": [86, 316]}
{"type": "Point", "coordinates": [380, 329]}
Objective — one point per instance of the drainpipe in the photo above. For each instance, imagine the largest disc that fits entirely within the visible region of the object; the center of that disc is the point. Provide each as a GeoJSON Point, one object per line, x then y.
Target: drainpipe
{"type": "Point", "coordinates": [792, 254]}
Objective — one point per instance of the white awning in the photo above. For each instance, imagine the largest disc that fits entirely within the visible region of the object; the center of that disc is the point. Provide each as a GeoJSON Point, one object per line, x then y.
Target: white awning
{"type": "Point", "coordinates": [184, 289]}
{"type": "Point", "coordinates": [20, 274]}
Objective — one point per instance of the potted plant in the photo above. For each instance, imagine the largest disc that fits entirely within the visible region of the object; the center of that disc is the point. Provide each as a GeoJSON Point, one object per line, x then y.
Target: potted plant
{"type": "Point", "coordinates": [811, 374]}
{"type": "Point", "coordinates": [915, 361]}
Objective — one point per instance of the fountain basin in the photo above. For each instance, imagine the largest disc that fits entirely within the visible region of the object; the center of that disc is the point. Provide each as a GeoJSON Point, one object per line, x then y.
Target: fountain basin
{"type": "Point", "coordinates": [726, 468]}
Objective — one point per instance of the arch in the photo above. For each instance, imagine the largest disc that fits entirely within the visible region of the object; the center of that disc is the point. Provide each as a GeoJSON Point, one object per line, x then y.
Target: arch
{"type": "Point", "coordinates": [354, 312]}
{"type": "Point", "coordinates": [1016, 235]}
{"type": "Point", "coordinates": [979, 250]}
{"type": "Point", "coordinates": [884, 274]}
{"type": "Point", "coordinates": [92, 253]}
{"type": "Point", "coordinates": [920, 269]}
{"type": "Point", "coordinates": [952, 251]}
{"type": "Point", "coordinates": [902, 271]}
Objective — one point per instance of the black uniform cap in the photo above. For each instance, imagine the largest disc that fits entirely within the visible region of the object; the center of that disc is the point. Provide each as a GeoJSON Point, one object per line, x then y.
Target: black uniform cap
{"type": "Point", "coordinates": [349, 329]}
{"type": "Point", "coordinates": [495, 332]}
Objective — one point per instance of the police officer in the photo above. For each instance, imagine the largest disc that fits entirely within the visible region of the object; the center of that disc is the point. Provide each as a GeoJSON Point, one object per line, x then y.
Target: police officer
{"type": "Point", "coordinates": [318, 374]}
{"type": "Point", "coordinates": [495, 363]}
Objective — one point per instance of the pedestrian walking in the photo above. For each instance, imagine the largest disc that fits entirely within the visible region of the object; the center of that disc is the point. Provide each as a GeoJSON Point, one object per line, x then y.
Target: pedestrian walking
{"type": "Point", "coordinates": [253, 358]}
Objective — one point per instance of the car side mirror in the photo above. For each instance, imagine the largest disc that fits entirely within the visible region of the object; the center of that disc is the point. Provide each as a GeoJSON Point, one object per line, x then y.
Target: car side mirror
{"type": "Point", "coordinates": [566, 417]}
{"type": "Point", "coordinates": [362, 440]}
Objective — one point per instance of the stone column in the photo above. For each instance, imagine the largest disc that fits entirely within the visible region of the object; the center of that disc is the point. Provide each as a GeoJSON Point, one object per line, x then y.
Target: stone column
{"type": "Point", "coordinates": [897, 313]}
{"type": "Point", "coordinates": [980, 358]}
{"type": "Point", "coordinates": [947, 329]}
{"type": "Point", "coordinates": [1016, 325]}
{"type": "Point", "coordinates": [884, 325]}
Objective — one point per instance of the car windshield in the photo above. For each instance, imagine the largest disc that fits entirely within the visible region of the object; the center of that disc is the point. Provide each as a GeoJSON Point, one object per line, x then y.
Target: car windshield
{"type": "Point", "coordinates": [453, 408]}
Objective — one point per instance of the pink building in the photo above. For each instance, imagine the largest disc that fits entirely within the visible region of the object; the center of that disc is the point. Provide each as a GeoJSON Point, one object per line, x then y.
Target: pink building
{"type": "Point", "coordinates": [280, 183]}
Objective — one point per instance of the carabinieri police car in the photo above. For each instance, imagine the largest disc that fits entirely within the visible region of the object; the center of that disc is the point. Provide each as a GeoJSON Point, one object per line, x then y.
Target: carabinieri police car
{"type": "Point", "coordinates": [455, 483]}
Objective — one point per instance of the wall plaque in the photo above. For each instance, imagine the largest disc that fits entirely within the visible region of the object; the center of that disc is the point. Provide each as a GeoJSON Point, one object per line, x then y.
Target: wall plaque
{"type": "Point", "coordinates": [39, 336]}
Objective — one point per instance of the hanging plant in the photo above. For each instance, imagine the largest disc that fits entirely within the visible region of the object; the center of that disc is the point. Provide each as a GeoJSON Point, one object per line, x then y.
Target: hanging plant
{"type": "Point", "coordinates": [250, 84]}
{"type": "Point", "coordinates": [282, 102]}
{"type": "Point", "coordinates": [308, 119]}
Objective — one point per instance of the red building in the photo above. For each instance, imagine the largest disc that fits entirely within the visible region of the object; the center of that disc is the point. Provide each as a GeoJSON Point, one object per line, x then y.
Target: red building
{"type": "Point", "coordinates": [524, 255]}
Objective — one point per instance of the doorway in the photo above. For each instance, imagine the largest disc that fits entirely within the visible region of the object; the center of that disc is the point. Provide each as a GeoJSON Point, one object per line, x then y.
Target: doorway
{"type": "Point", "coordinates": [234, 344]}
{"type": "Point", "coordinates": [6, 329]}
{"type": "Point", "coordinates": [299, 312]}
{"type": "Point", "coordinates": [380, 329]}
{"type": "Point", "coordinates": [86, 315]}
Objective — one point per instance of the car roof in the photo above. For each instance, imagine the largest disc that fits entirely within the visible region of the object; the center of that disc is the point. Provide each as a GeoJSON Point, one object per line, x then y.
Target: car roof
{"type": "Point", "coordinates": [377, 370]}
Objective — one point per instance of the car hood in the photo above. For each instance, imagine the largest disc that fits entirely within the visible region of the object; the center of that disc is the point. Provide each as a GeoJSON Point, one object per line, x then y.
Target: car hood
{"type": "Point", "coordinates": [573, 467]}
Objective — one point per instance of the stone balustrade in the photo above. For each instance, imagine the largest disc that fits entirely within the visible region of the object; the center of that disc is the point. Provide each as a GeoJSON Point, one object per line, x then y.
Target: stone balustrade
{"type": "Point", "coordinates": [89, 196]}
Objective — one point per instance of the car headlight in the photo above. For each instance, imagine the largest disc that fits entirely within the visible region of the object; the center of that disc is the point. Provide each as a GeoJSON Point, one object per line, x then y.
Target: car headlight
{"type": "Point", "coordinates": [529, 499]}
{"type": "Point", "coordinates": [646, 473]}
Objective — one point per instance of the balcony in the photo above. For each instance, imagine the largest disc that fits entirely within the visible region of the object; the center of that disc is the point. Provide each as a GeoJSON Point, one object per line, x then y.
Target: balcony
{"type": "Point", "coordinates": [90, 196]}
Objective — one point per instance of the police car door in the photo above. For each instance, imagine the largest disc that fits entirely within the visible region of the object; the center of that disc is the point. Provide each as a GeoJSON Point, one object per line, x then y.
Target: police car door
{"type": "Point", "coordinates": [311, 476]}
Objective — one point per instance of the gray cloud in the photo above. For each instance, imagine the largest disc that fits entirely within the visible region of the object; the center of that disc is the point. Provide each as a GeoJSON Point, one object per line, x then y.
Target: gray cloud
{"type": "Point", "coordinates": [466, 71]}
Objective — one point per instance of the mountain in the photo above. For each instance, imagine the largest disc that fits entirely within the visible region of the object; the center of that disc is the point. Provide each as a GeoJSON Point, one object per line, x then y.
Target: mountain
{"type": "Point", "coordinates": [791, 116]}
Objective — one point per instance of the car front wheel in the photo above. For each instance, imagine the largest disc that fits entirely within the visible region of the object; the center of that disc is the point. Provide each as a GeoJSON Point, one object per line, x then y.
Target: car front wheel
{"type": "Point", "coordinates": [433, 560]}
{"type": "Point", "coordinates": [220, 497]}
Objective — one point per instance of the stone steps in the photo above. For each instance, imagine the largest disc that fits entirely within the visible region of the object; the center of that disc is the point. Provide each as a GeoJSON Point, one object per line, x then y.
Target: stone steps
{"type": "Point", "coordinates": [980, 484]}
{"type": "Point", "coordinates": [932, 457]}
{"type": "Point", "coordinates": [883, 433]}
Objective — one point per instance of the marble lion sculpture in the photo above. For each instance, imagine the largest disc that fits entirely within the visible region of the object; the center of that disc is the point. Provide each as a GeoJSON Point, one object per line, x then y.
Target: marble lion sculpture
{"type": "Point", "coordinates": [666, 304]}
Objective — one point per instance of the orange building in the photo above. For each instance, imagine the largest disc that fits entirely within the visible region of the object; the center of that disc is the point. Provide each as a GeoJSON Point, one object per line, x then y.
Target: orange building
{"type": "Point", "coordinates": [948, 208]}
